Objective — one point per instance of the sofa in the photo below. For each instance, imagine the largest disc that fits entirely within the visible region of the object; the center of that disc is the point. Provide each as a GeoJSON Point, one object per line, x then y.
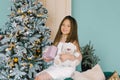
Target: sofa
{"type": "Point", "coordinates": [107, 75]}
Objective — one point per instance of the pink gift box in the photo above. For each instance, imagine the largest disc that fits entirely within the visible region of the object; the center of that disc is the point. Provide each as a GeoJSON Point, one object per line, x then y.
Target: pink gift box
{"type": "Point", "coordinates": [51, 52]}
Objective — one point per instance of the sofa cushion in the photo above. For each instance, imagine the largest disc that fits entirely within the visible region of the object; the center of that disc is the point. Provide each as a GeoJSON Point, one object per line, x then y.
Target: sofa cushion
{"type": "Point", "coordinates": [114, 76]}
{"type": "Point", "coordinates": [95, 73]}
{"type": "Point", "coordinates": [107, 74]}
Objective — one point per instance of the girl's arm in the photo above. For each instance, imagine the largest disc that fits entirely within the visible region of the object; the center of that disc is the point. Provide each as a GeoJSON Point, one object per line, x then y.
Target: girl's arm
{"type": "Point", "coordinates": [71, 57]}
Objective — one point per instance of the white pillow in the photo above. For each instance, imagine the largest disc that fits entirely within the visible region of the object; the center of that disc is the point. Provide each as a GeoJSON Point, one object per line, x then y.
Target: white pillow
{"type": "Point", "coordinates": [95, 73]}
{"type": "Point", "coordinates": [78, 76]}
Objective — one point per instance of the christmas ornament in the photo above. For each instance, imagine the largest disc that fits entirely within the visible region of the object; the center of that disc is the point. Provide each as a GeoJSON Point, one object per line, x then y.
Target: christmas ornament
{"type": "Point", "coordinates": [31, 65]}
{"type": "Point", "coordinates": [15, 60]}
{"type": "Point", "coordinates": [19, 11]}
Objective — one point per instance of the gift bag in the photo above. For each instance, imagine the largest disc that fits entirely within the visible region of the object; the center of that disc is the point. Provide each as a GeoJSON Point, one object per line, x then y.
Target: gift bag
{"type": "Point", "coordinates": [50, 52]}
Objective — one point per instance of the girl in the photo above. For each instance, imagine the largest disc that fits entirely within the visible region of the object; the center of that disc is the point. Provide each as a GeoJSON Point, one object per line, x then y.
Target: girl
{"type": "Point", "coordinates": [67, 32]}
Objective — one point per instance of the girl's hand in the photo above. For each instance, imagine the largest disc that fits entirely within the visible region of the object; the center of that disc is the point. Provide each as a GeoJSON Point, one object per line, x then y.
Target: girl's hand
{"type": "Point", "coordinates": [64, 57]}
{"type": "Point", "coordinates": [47, 59]}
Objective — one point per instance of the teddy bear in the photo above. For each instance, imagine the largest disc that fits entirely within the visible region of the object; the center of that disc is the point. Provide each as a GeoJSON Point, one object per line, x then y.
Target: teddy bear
{"type": "Point", "coordinates": [68, 48]}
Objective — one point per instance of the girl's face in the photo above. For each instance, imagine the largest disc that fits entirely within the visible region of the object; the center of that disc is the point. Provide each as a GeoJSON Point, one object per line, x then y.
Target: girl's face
{"type": "Point", "coordinates": [65, 27]}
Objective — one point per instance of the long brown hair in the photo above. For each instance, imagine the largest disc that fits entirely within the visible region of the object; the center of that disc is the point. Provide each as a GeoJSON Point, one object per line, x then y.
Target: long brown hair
{"type": "Point", "coordinates": [73, 36]}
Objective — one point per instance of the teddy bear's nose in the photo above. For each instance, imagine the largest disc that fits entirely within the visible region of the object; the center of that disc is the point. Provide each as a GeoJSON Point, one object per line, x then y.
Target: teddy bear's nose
{"type": "Point", "coordinates": [68, 49]}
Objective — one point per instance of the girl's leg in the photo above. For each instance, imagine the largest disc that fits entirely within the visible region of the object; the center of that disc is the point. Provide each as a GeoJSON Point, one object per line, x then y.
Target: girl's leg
{"type": "Point", "coordinates": [43, 76]}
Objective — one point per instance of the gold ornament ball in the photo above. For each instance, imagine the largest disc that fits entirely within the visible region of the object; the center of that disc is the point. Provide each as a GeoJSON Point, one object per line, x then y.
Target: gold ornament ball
{"type": "Point", "coordinates": [15, 60]}
{"type": "Point", "coordinates": [19, 11]}
{"type": "Point", "coordinates": [31, 65]}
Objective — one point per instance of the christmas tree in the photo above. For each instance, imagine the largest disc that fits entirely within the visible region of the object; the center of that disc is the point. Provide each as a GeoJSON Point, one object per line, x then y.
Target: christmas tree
{"type": "Point", "coordinates": [24, 39]}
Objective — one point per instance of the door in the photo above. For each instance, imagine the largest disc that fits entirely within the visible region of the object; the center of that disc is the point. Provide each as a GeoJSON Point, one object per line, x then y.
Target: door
{"type": "Point", "coordinates": [57, 10]}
